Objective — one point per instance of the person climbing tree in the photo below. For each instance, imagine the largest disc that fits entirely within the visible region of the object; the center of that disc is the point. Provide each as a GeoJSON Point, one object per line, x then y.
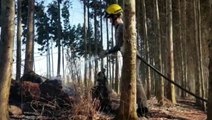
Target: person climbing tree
{"type": "Point", "coordinates": [114, 13]}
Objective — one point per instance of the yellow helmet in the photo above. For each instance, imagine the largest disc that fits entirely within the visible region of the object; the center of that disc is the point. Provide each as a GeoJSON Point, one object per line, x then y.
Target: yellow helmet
{"type": "Point", "coordinates": [113, 10]}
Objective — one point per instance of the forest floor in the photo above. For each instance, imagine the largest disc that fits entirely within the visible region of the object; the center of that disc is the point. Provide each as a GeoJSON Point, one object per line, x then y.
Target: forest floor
{"type": "Point", "coordinates": [183, 110]}
{"type": "Point", "coordinates": [55, 102]}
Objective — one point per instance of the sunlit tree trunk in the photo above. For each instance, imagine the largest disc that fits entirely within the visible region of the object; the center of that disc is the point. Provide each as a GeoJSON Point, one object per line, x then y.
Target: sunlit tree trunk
{"type": "Point", "coordinates": [29, 55]}
{"type": "Point", "coordinates": [171, 94]}
{"type": "Point", "coordinates": [127, 109]}
{"type": "Point", "coordinates": [107, 37]}
{"type": "Point", "coordinates": [89, 46]}
{"type": "Point", "coordinates": [202, 78]}
{"type": "Point", "coordinates": [6, 52]}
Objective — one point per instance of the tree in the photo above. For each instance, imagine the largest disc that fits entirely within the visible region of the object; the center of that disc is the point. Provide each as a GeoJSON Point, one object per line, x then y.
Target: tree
{"type": "Point", "coordinates": [209, 24]}
{"type": "Point", "coordinates": [85, 42]}
{"type": "Point", "coordinates": [171, 94]}
{"type": "Point", "coordinates": [147, 47]}
{"type": "Point", "coordinates": [18, 50]}
{"type": "Point", "coordinates": [127, 110]}
{"type": "Point", "coordinates": [160, 90]}
{"type": "Point", "coordinates": [29, 55]}
{"type": "Point", "coordinates": [209, 110]}
{"type": "Point", "coordinates": [6, 52]}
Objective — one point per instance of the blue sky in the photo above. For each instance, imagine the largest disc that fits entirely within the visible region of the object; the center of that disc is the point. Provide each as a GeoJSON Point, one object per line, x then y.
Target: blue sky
{"type": "Point", "coordinates": [76, 17]}
{"type": "Point", "coordinates": [76, 14]}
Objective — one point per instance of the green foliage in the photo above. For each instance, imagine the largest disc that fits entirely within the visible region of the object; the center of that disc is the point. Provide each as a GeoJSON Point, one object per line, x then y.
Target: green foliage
{"type": "Point", "coordinates": [42, 27]}
{"type": "Point", "coordinates": [53, 15]}
{"type": "Point", "coordinates": [72, 37]}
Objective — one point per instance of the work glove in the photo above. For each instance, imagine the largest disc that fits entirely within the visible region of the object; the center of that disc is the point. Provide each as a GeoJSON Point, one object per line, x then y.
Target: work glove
{"type": "Point", "coordinates": [103, 54]}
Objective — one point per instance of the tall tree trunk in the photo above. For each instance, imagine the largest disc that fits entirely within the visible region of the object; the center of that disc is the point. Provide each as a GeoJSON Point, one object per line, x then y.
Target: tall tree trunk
{"type": "Point", "coordinates": [58, 40]}
{"type": "Point", "coordinates": [29, 55]}
{"type": "Point", "coordinates": [101, 38]}
{"type": "Point", "coordinates": [95, 39]}
{"type": "Point", "coordinates": [171, 95]}
{"type": "Point", "coordinates": [198, 76]}
{"type": "Point", "coordinates": [6, 46]}
{"type": "Point", "coordinates": [182, 62]}
{"type": "Point", "coordinates": [209, 110]}
{"type": "Point", "coordinates": [52, 57]}
{"type": "Point", "coordinates": [89, 46]}
{"type": "Point", "coordinates": [85, 42]}
{"type": "Point", "coordinates": [147, 49]}
{"type": "Point", "coordinates": [209, 104]}
{"type": "Point", "coordinates": [160, 90]}
{"type": "Point", "coordinates": [18, 50]}
{"type": "Point", "coordinates": [202, 78]}
{"type": "Point", "coordinates": [107, 31]}
{"type": "Point", "coordinates": [184, 46]}
{"type": "Point", "coordinates": [127, 109]}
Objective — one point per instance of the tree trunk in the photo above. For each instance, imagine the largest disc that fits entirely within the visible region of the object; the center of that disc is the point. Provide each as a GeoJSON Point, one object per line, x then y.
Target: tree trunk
{"type": "Point", "coordinates": [127, 109]}
{"type": "Point", "coordinates": [95, 39]}
{"type": "Point", "coordinates": [89, 47]}
{"type": "Point", "coordinates": [147, 49]}
{"type": "Point", "coordinates": [209, 110]}
{"type": "Point", "coordinates": [29, 55]}
{"type": "Point", "coordinates": [209, 105]}
{"type": "Point", "coordinates": [160, 90]}
{"type": "Point", "coordinates": [198, 76]}
{"type": "Point", "coordinates": [202, 78]}
{"type": "Point", "coordinates": [85, 42]}
{"type": "Point", "coordinates": [184, 46]}
{"type": "Point", "coordinates": [171, 95]}
{"type": "Point", "coordinates": [6, 45]}
{"type": "Point", "coordinates": [58, 40]}
{"type": "Point", "coordinates": [18, 50]}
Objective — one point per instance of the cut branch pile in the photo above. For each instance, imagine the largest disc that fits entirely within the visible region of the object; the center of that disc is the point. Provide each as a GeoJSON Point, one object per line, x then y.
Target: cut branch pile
{"type": "Point", "coordinates": [38, 97]}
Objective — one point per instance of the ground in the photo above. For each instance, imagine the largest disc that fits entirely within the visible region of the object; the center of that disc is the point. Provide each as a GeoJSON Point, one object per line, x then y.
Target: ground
{"type": "Point", "coordinates": [183, 110]}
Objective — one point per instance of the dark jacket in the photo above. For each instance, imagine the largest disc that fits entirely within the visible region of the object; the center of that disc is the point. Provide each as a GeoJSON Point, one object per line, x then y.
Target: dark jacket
{"type": "Point", "coordinates": [119, 37]}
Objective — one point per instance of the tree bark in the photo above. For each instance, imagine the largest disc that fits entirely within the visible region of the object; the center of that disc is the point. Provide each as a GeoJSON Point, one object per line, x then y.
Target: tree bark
{"type": "Point", "coordinates": [209, 105]}
{"type": "Point", "coordinates": [6, 45]}
{"type": "Point", "coordinates": [29, 55]}
{"type": "Point", "coordinates": [127, 109]}
{"type": "Point", "coordinates": [147, 48]}
{"type": "Point", "coordinates": [160, 90]}
{"type": "Point", "coordinates": [58, 40]}
{"type": "Point", "coordinates": [85, 43]}
{"type": "Point", "coordinates": [18, 50]}
{"type": "Point", "coordinates": [171, 95]}
{"type": "Point", "coordinates": [184, 47]}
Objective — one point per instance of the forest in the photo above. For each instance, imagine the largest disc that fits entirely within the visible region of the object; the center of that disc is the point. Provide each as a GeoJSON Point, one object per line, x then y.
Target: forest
{"type": "Point", "coordinates": [173, 37]}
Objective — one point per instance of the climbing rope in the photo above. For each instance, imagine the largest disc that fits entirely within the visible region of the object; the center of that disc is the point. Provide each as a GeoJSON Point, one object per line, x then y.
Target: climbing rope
{"type": "Point", "coordinates": [171, 81]}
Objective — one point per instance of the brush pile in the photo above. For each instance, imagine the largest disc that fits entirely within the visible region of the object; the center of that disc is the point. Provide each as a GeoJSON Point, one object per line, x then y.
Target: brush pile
{"type": "Point", "coordinates": [39, 98]}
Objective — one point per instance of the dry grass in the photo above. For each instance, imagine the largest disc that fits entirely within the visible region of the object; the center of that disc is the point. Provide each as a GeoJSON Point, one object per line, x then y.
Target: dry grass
{"type": "Point", "coordinates": [85, 108]}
